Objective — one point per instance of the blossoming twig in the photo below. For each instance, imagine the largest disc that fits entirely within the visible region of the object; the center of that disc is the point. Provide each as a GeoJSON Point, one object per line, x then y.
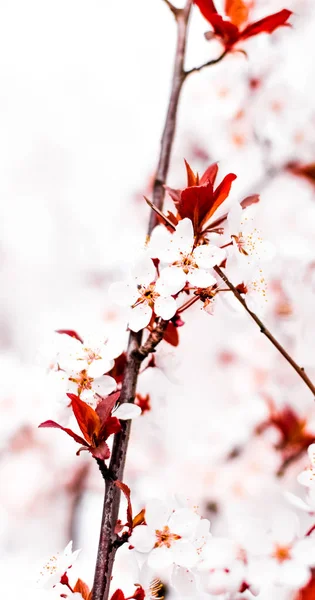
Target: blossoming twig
{"type": "Point", "coordinates": [172, 8]}
{"type": "Point", "coordinates": [107, 548]}
{"type": "Point", "coordinates": [300, 370]}
{"type": "Point", "coordinates": [207, 64]}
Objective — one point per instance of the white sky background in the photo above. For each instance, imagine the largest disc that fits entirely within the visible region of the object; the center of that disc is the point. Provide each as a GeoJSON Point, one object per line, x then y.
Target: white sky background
{"type": "Point", "coordinates": [83, 94]}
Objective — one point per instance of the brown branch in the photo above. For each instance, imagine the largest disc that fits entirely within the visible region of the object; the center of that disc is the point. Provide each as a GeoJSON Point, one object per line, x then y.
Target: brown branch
{"type": "Point", "coordinates": [214, 61]}
{"type": "Point", "coordinates": [300, 370]}
{"type": "Point", "coordinates": [172, 8]}
{"type": "Point", "coordinates": [135, 353]}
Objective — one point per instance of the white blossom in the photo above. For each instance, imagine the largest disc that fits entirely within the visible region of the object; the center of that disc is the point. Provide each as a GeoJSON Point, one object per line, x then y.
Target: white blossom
{"type": "Point", "coordinates": [56, 567]}
{"type": "Point", "coordinates": [143, 293]}
{"type": "Point", "coordinates": [307, 477]}
{"type": "Point", "coordinates": [185, 263]}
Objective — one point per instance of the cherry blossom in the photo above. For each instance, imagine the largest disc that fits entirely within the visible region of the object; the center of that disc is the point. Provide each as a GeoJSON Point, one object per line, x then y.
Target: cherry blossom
{"type": "Point", "coordinates": [287, 559]}
{"type": "Point", "coordinates": [56, 567]}
{"type": "Point", "coordinates": [170, 536]}
{"type": "Point", "coordinates": [245, 236]}
{"type": "Point", "coordinates": [86, 387]}
{"type": "Point", "coordinates": [143, 294]}
{"type": "Point", "coordinates": [307, 477]}
{"type": "Point", "coordinates": [222, 568]}
{"type": "Point", "coordinates": [185, 263]}
{"type": "Point", "coordinates": [95, 354]}
{"type": "Point", "coordinates": [307, 505]}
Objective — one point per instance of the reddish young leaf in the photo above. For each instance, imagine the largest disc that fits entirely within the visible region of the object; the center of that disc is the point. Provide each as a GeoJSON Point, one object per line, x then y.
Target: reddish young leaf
{"type": "Point", "coordinates": [206, 7]}
{"type": "Point", "coordinates": [109, 427]}
{"type": "Point", "coordinates": [237, 11]}
{"type": "Point", "coordinates": [268, 24]}
{"type": "Point", "coordinates": [101, 451]}
{"type": "Point", "coordinates": [139, 594]}
{"type": "Point", "coordinates": [118, 369]}
{"type": "Point", "coordinates": [209, 174]}
{"type": "Point", "coordinates": [308, 592]}
{"type": "Point", "coordinates": [118, 595]}
{"type": "Point", "coordinates": [106, 405]}
{"type": "Point", "coordinates": [72, 434]}
{"type": "Point", "coordinates": [192, 179]}
{"type": "Point", "coordinates": [171, 334]}
{"type": "Point", "coordinates": [228, 32]}
{"type": "Point", "coordinates": [195, 203]}
{"type": "Point", "coordinates": [139, 519]}
{"type": "Point", "coordinates": [126, 491]}
{"type": "Point", "coordinates": [82, 589]}
{"type": "Point", "coordinates": [249, 200]}
{"type": "Point", "coordinates": [88, 420]}
{"type": "Point", "coordinates": [71, 333]}
{"type": "Point", "coordinates": [221, 194]}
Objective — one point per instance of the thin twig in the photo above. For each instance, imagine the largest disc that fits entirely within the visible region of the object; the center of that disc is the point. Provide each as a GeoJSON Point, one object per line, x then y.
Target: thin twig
{"type": "Point", "coordinates": [107, 548]}
{"type": "Point", "coordinates": [172, 8]}
{"type": "Point", "coordinates": [214, 61]}
{"type": "Point", "coordinates": [300, 370]}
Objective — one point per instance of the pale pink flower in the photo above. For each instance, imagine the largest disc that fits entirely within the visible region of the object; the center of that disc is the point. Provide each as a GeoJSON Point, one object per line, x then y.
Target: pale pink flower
{"type": "Point", "coordinates": [143, 293]}
{"type": "Point", "coordinates": [185, 263]}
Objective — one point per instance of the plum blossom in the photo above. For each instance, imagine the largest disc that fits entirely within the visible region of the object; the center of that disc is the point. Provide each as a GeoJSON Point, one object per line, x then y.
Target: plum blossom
{"type": "Point", "coordinates": [95, 354]}
{"type": "Point", "coordinates": [307, 477]}
{"type": "Point", "coordinates": [222, 569]}
{"type": "Point", "coordinates": [170, 536]}
{"type": "Point", "coordinates": [246, 238]}
{"type": "Point", "coordinates": [185, 263]}
{"type": "Point", "coordinates": [56, 567]}
{"type": "Point", "coordinates": [307, 505]}
{"type": "Point", "coordinates": [86, 387]}
{"type": "Point", "coordinates": [143, 294]}
{"type": "Point", "coordinates": [287, 559]}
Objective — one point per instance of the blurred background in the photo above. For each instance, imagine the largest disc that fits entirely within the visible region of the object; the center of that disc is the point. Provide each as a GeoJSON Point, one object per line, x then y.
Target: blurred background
{"type": "Point", "coordinates": [84, 90]}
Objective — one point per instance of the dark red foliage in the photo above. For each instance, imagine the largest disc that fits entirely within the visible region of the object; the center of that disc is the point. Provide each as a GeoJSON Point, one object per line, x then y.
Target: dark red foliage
{"type": "Point", "coordinates": [200, 199]}
{"type": "Point", "coordinates": [230, 33]}
{"type": "Point", "coordinates": [96, 425]}
{"type": "Point", "coordinates": [143, 402]}
{"type": "Point", "coordinates": [71, 333]}
{"type": "Point", "coordinates": [308, 592]}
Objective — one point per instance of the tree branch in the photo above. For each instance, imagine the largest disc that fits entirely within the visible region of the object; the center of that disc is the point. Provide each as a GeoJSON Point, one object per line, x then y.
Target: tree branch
{"type": "Point", "coordinates": [172, 8]}
{"type": "Point", "coordinates": [214, 61]}
{"type": "Point", "coordinates": [135, 352]}
{"type": "Point", "coordinates": [300, 370]}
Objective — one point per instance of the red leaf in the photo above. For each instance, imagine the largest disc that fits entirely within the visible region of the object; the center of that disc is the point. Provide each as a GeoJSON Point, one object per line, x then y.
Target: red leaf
{"type": "Point", "coordinates": [308, 592]}
{"type": "Point", "coordinates": [126, 491]}
{"type": "Point", "coordinates": [102, 451]}
{"type": "Point", "coordinates": [237, 11]}
{"type": "Point", "coordinates": [228, 32]}
{"type": "Point", "coordinates": [174, 194]}
{"type": "Point", "coordinates": [250, 200]}
{"type": "Point", "coordinates": [82, 589]}
{"type": "Point", "coordinates": [195, 204]}
{"type": "Point", "coordinates": [71, 333]}
{"type": "Point", "coordinates": [118, 595]}
{"type": "Point", "coordinates": [268, 24]}
{"type": "Point", "coordinates": [210, 174]}
{"type": "Point", "coordinates": [171, 334]}
{"type": "Point", "coordinates": [109, 427]}
{"type": "Point", "coordinates": [206, 7]}
{"type": "Point", "coordinates": [139, 593]}
{"type": "Point", "coordinates": [55, 425]}
{"type": "Point", "coordinates": [192, 179]}
{"type": "Point", "coordinates": [221, 193]}
{"type": "Point", "coordinates": [106, 405]}
{"type": "Point", "coordinates": [88, 420]}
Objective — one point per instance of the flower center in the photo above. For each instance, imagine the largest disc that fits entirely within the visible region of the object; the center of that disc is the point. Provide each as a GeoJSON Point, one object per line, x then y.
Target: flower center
{"type": "Point", "coordinates": [187, 263]}
{"type": "Point", "coordinates": [281, 553]}
{"type": "Point", "coordinates": [90, 355]}
{"type": "Point", "coordinates": [83, 381]}
{"type": "Point", "coordinates": [147, 295]}
{"type": "Point", "coordinates": [165, 538]}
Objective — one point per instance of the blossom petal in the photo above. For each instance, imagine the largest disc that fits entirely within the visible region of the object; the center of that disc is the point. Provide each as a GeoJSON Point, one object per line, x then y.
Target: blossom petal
{"type": "Point", "coordinates": [100, 366]}
{"type": "Point", "coordinates": [157, 514]}
{"type": "Point", "coordinates": [183, 522]}
{"type": "Point", "coordinates": [184, 554]}
{"type": "Point", "coordinates": [165, 307]}
{"type": "Point", "coordinates": [183, 238]}
{"type": "Point", "coordinates": [127, 411]}
{"type": "Point", "coordinates": [123, 293]}
{"type": "Point", "coordinates": [160, 558]}
{"type": "Point", "coordinates": [208, 256]}
{"type": "Point", "coordinates": [172, 279]}
{"type": "Point", "coordinates": [201, 278]}
{"type": "Point", "coordinates": [184, 582]}
{"type": "Point", "coordinates": [144, 271]}
{"type": "Point", "coordinates": [311, 454]}
{"type": "Point", "coordinates": [142, 538]}
{"type": "Point", "coordinates": [307, 478]}
{"type": "Point", "coordinates": [159, 241]}
{"type": "Point", "coordinates": [140, 317]}
{"type": "Point", "coordinates": [104, 385]}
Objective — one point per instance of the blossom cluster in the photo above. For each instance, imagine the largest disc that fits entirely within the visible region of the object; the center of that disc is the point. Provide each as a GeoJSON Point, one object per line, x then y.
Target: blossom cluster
{"type": "Point", "coordinates": [181, 257]}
